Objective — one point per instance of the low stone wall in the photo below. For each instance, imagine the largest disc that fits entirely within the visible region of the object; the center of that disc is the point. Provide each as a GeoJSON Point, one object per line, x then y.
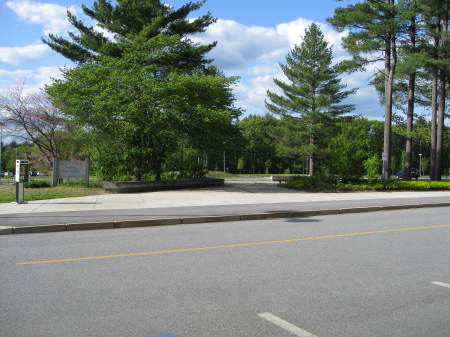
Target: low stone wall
{"type": "Point", "coordinates": [148, 186]}
{"type": "Point", "coordinates": [283, 178]}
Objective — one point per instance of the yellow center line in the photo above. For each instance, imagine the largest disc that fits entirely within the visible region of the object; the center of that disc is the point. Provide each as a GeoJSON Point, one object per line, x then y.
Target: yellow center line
{"type": "Point", "coordinates": [234, 245]}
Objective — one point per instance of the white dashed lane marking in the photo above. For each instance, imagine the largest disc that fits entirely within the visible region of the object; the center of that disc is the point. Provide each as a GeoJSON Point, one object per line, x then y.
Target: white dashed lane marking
{"type": "Point", "coordinates": [441, 284]}
{"type": "Point", "coordinates": [285, 325]}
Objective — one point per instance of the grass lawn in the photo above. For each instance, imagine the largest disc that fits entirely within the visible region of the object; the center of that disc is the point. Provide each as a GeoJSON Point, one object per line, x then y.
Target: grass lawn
{"type": "Point", "coordinates": [8, 192]}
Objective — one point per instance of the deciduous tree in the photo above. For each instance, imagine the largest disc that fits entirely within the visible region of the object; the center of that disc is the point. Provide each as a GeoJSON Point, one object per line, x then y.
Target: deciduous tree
{"type": "Point", "coordinates": [139, 90]}
{"type": "Point", "coordinates": [135, 116]}
{"type": "Point", "coordinates": [33, 118]}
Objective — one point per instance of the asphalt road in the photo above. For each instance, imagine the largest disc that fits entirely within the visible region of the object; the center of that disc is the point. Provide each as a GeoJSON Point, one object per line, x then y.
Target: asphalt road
{"type": "Point", "coordinates": [45, 218]}
{"type": "Point", "coordinates": [353, 275]}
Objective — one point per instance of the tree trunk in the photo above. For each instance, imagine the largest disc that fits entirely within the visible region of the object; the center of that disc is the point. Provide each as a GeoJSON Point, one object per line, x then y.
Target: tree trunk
{"type": "Point", "coordinates": [441, 109]}
{"type": "Point", "coordinates": [137, 174]}
{"type": "Point", "coordinates": [440, 127]}
{"type": "Point", "coordinates": [409, 125]}
{"type": "Point", "coordinates": [205, 162]}
{"type": "Point", "coordinates": [182, 162]}
{"type": "Point", "coordinates": [312, 157]}
{"type": "Point", "coordinates": [410, 114]}
{"type": "Point", "coordinates": [253, 162]}
{"type": "Point", "coordinates": [389, 68]}
{"type": "Point", "coordinates": [434, 107]}
{"type": "Point", "coordinates": [433, 126]}
{"type": "Point", "coordinates": [158, 169]}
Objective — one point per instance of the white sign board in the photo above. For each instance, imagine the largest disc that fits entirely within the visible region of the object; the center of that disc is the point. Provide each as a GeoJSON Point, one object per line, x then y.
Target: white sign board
{"type": "Point", "coordinates": [67, 169]}
{"type": "Point", "coordinates": [72, 169]}
{"type": "Point", "coordinates": [17, 175]}
{"type": "Point", "coordinates": [21, 171]}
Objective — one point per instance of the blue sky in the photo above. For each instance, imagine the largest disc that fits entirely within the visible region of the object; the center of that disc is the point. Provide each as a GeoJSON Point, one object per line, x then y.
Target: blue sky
{"type": "Point", "coordinates": [253, 37]}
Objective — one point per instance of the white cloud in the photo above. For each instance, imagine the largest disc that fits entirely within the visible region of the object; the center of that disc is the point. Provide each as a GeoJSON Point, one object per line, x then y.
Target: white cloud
{"type": "Point", "coordinates": [52, 16]}
{"type": "Point", "coordinates": [263, 69]}
{"type": "Point", "coordinates": [34, 80]}
{"type": "Point", "coordinates": [17, 55]}
{"type": "Point", "coordinates": [7, 76]}
{"type": "Point", "coordinates": [253, 52]}
{"type": "Point", "coordinates": [295, 31]}
{"type": "Point", "coordinates": [251, 94]}
{"type": "Point", "coordinates": [44, 75]}
{"type": "Point", "coordinates": [106, 33]}
{"type": "Point", "coordinates": [238, 44]}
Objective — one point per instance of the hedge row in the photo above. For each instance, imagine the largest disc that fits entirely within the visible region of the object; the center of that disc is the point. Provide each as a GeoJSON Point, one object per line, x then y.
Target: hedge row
{"type": "Point", "coordinates": [314, 184]}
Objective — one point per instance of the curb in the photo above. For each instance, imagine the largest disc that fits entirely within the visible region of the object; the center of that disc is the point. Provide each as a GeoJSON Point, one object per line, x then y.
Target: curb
{"type": "Point", "coordinates": [4, 230]}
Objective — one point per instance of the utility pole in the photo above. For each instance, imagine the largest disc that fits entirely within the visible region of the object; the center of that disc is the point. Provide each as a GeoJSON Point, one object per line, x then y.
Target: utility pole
{"type": "Point", "coordinates": [1, 145]}
{"type": "Point", "coordinates": [224, 162]}
{"type": "Point", "coordinates": [420, 164]}
{"type": "Point", "coordinates": [224, 166]}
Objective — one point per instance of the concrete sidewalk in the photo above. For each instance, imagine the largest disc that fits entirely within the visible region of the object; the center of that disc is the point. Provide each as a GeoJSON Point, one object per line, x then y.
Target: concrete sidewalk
{"type": "Point", "coordinates": [230, 194]}
{"type": "Point", "coordinates": [234, 201]}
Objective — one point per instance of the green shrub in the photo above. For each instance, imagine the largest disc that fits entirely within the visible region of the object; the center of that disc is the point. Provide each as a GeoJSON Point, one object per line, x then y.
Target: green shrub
{"type": "Point", "coordinates": [81, 183]}
{"type": "Point", "coordinates": [95, 183]}
{"type": "Point", "coordinates": [240, 164]}
{"type": "Point", "coordinates": [372, 167]}
{"type": "Point", "coordinates": [319, 184]}
{"type": "Point", "coordinates": [37, 184]}
{"type": "Point", "coordinates": [310, 184]}
{"type": "Point", "coordinates": [170, 175]}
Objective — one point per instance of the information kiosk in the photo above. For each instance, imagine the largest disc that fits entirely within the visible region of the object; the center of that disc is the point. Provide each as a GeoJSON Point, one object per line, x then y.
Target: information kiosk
{"type": "Point", "coordinates": [21, 177]}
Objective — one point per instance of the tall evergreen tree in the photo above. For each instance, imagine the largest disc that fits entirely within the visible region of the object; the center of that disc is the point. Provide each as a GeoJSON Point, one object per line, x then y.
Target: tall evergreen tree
{"type": "Point", "coordinates": [444, 72]}
{"type": "Point", "coordinates": [437, 61]}
{"type": "Point", "coordinates": [373, 26]}
{"type": "Point", "coordinates": [410, 48]}
{"type": "Point", "coordinates": [118, 25]}
{"type": "Point", "coordinates": [409, 64]}
{"type": "Point", "coordinates": [313, 97]}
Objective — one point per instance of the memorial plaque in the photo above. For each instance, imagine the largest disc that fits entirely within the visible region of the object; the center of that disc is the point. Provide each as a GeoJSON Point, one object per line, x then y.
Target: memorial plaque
{"type": "Point", "coordinates": [72, 169]}
{"type": "Point", "coordinates": [67, 169]}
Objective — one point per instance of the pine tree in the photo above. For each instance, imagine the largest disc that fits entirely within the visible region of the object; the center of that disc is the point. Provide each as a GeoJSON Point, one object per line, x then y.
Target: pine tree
{"type": "Point", "coordinates": [437, 62]}
{"type": "Point", "coordinates": [410, 48]}
{"type": "Point", "coordinates": [408, 69]}
{"type": "Point", "coordinates": [374, 27]}
{"type": "Point", "coordinates": [313, 96]}
{"type": "Point", "coordinates": [128, 21]}
{"type": "Point", "coordinates": [422, 62]}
